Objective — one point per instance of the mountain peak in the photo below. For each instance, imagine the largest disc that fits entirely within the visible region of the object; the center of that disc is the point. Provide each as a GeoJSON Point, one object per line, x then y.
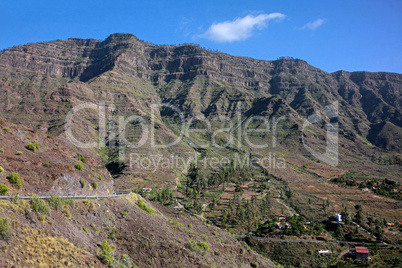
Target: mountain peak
{"type": "Point", "coordinates": [120, 37]}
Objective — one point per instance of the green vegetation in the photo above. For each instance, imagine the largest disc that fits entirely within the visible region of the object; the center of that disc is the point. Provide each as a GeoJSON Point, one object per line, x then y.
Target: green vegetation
{"type": "Point", "coordinates": [46, 164]}
{"type": "Point", "coordinates": [19, 153]}
{"type": "Point", "coordinates": [176, 222]}
{"type": "Point", "coordinates": [254, 264]}
{"type": "Point", "coordinates": [3, 189]}
{"type": "Point", "coordinates": [7, 129]}
{"type": "Point", "coordinates": [66, 213]}
{"type": "Point", "coordinates": [4, 224]}
{"type": "Point", "coordinates": [384, 187]}
{"type": "Point", "coordinates": [34, 146]}
{"type": "Point", "coordinates": [95, 185]}
{"type": "Point", "coordinates": [107, 252]}
{"type": "Point", "coordinates": [83, 183]}
{"type": "Point", "coordinates": [295, 254]}
{"type": "Point", "coordinates": [206, 186]}
{"type": "Point", "coordinates": [42, 218]}
{"type": "Point", "coordinates": [359, 214]}
{"type": "Point", "coordinates": [144, 207]}
{"type": "Point", "coordinates": [200, 247]}
{"type": "Point", "coordinates": [89, 203]}
{"type": "Point", "coordinates": [79, 166]}
{"type": "Point", "coordinates": [163, 196]}
{"type": "Point", "coordinates": [58, 202]}
{"type": "Point", "coordinates": [39, 206]}
{"type": "Point", "coordinates": [246, 245]}
{"type": "Point", "coordinates": [112, 231]}
{"type": "Point", "coordinates": [1, 169]}
{"type": "Point", "coordinates": [83, 159]}
{"type": "Point", "coordinates": [15, 179]}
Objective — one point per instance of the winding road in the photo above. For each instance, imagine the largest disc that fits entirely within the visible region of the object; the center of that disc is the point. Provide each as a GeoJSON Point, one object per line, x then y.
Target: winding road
{"type": "Point", "coordinates": [69, 196]}
{"type": "Point", "coordinates": [266, 239]}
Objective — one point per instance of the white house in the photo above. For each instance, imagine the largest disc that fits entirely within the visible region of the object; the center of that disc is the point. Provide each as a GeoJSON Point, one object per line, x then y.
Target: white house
{"type": "Point", "coordinates": [338, 217]}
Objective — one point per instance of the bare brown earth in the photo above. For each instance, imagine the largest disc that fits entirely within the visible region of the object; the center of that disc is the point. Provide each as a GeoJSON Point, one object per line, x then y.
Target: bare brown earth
{"type": "Point", "coordinates": [309, 186]}
{"type": "Point", "coordinates": [51, 169]}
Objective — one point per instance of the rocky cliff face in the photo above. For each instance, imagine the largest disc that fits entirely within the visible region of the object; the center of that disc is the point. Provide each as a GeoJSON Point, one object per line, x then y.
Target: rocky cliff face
{"type": "Point", "coordinates": [42, 82]}
{"type": "Point", "coordinates": [63, 58]}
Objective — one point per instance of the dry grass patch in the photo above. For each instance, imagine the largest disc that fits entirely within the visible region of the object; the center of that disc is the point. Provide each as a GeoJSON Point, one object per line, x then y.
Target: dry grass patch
{"type": "Point", "coordinates": [33, 248]}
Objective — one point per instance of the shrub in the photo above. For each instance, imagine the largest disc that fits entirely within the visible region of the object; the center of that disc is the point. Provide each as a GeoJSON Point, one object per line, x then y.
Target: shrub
{"type": "Point", "coordinates": [203, 245]}
{"type": "Point", "coordinates": [42, 218]}
{"type": "Point", "coordinates": [4, 224]}
{"type": "Point", "coordinates": [46, 164]}
{"type": "Point", "coordinates": [144, 207]}
{"type": "Point", "coordinates": [39, 206]}
{"type": "Point", "coordinates": [67, 213]}
{"type": "Point", "coordinates": [56, 202]}
{"type": "Point", "coordinates": [254, 264]}
{"type": "Point", "coordinates": [19, 153]}
{"type": "Point", "coordinates": [190, 226]}
{"type": "Point", "coordinates": [91, 205]}
{"type": "Point", "coordinates": [15, 180]}
{"type": "Point", "coordinates": [111, 233]}
{"type": "Point", "coordinates": [83, 182]}
{"type": "Point", "coordinates": [3, 189]}
{"type": "Point", "coordinates": [83, 159]}
{"type": "Point", "coordinates": [175, 222]}
{"type": "Point", "coordinates": [200, 247]}
{"type": "Point", "coordinates": [34, 146]}
{"type": "Point", "coordinates": [79, 166]}
{"type": "Point", "coordinates": [1, 150]}
{"type": "Point", "coordinates": [107, 252]}
{"type": "Point", "coordinates": [95, 185]}
{"type": "Point", "coordinates": [1, 169]}
{"type": "Point", "coordinates": [246, 245]}
{"type": "Point", "coordinates": [7, 129]}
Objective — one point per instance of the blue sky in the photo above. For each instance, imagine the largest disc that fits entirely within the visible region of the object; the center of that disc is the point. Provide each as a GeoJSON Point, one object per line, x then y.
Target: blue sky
{"type": "Point", "coordinates": [331, 35]}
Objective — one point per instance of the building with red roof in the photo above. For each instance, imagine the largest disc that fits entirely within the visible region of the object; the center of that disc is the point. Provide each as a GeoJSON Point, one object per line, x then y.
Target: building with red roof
{"type": "Point", "coordinates": [361, 253]}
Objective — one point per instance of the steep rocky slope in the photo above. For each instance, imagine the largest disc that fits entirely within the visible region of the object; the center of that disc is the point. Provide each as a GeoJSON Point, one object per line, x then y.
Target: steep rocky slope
{"type": "Point", "coordinates": [66, 232]}
{"type": "Point", "coordinates": [50, 170]}
{"type": "Point", "coordinates": [73, 235]}
{"type": "Point", "coordinates": [42, 82]}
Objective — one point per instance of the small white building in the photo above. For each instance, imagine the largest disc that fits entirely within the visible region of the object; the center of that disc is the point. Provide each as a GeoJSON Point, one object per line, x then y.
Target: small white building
{"type": "Point", "coordinates": [338, 217]}
{"type": "Point", "coordinates": [322, 251]}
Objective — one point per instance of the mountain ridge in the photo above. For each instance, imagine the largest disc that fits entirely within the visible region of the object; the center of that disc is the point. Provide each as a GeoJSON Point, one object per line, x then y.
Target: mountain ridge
{"type": "Point", "coordinates": [133, 73]}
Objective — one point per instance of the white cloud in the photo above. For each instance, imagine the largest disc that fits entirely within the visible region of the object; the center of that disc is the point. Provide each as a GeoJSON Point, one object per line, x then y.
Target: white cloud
{"type": "Point", "coordinates": [312, 25]}
{"type": "Point", "coordinates": [240, 28]}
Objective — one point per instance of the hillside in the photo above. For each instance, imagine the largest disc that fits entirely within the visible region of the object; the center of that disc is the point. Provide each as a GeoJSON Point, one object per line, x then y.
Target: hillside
{"type": "Point", "coordinates": [51, 168]}
{"type": "Point", "coordinates": [70, 232]}
{"type": "Point", "coordinates": [73, 234]}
